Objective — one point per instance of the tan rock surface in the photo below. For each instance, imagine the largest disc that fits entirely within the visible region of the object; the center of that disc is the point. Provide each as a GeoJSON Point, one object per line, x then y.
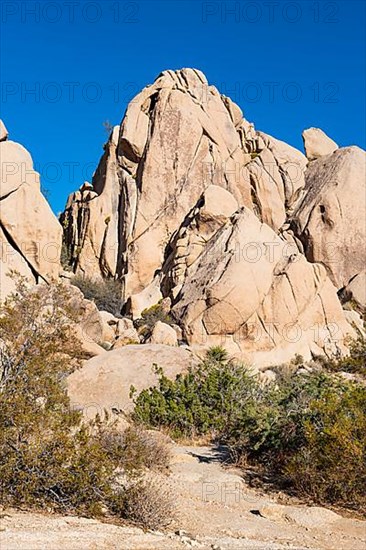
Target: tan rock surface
{"type": "Point", "coordinates": [259, 297]}
{"type": "Point", "coordinates": [163, 334]}
{"type": "Point", "coordinates": [330, 220]}
{"type": "Point", "coordinates": [179, 138]}
{"type": "Point", "coordinates": [104, 382]}
{"type": "Point", "coordinates": [30, 234]}
{"type": "Point", "coordinates": [317, 144]}
{"type": "Point", "coordinates": [182, 162]}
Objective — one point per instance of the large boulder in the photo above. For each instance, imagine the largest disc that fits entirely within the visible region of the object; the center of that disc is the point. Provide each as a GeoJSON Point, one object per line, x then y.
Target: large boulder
{"type": "Point", "coordinates": [317, 144]}
{"type": "Point", "coordinates": [104, 382]}
{"type": "Point", "coordinates": [256, 295]}
{"type": "Point", "coordinates": [163, 334]}
{"type": "Point", "coordinates": [330, 220]}
{"type": "Point", "coordinates": [30, 234]}
{"type": "Point", "coordinates": [355, 291]}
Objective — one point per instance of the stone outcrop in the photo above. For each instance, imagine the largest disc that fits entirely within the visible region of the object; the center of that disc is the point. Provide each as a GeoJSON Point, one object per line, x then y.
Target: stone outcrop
{"type": "Point", "coordinates": [330, 220]}
{"type": "Point", "coordinates": [192, 203]}
{"type": "Point", "coordinates": [163, 334]}
{"type": "Point", "coordinates": [256, 295]}
{"type": "Point", "coordinates": [30, 234]}
{"type": "Point", "coordinates": [179, 136]}
{"type": "Point", "coordinates": [104, 382]}
{"type": "Point", "coordinates": [355, 291]}
{"type": "Point", "coordinates": [317, 144]}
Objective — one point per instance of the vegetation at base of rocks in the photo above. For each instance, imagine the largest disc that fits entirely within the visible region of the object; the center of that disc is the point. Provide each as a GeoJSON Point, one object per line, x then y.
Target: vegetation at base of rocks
{"type": "Point", "coordinates": [151, 315]}
{"type": "Point", "coordinates": [308, 429]}
{"type": "Point", "coordinates": [50, 457]}
{"type": "Point", "coordinates": [105, 293]}
{"type": "Point", "coordinates": [136, 449]}
{"type": "Point", "coordinates": [355, 362]}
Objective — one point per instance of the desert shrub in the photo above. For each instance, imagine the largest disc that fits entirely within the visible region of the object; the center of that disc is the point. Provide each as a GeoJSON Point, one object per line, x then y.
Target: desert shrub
{"type": "Point", "coordinates": [148, 502]}
{"type": "Point", "coordinates": [136, 449]}
{"type": "Point", "coordinates": [153, 314]}
{"type": "Point", "coordinates": [330, 465]}
{"type": "Point", "coordinates": [306, 429]}
{"type": "Point", "coordinates": [49, 457]}
{"type": "Point", "coordinates": [355, 362]}
{"type": "Point", "coordinates": [107, 293]}
{"type": "Point", "coordinates": [203, 400]}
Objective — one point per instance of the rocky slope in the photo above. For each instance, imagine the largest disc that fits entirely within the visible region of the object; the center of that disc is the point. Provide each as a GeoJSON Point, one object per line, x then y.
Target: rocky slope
{"type": "Point", "coordinates": [30, 234]}
{"type": "Point", "coordinates": [250, 239]}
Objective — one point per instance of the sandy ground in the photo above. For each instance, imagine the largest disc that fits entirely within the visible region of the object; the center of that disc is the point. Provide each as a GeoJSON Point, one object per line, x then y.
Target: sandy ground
{"type": "Point", "coordinates": [215, 510]}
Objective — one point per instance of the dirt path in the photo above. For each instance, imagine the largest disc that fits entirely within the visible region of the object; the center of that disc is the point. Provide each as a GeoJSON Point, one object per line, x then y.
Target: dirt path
{"type": "Point", "coordinates": [215, 510]}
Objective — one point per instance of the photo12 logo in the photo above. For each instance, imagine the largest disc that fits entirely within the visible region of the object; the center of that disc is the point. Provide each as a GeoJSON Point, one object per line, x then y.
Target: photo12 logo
{"type": "Point", "coordinates": [68, 92]}
{"type": "Point", "coordinates": [70, 12]}
{"type": "Point", "coordinates": [270, 12]}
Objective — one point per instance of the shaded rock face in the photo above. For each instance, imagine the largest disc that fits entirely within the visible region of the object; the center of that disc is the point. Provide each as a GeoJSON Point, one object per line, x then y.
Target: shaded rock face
{"type": "Point", "coordinates": [30, 234]}
{"type": "Point", "coordinates": [187, 191]}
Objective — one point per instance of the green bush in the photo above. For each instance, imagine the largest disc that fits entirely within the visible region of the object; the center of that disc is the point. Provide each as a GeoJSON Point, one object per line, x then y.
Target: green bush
{"type": "Point", "coordinates": [49, 457]}
{"type": "Point", "coordinates": [204, 400]}
{"type": "Point", "coordinates": [107, 293]}
{"type": "Point", "coordinates": [355, 362]}
{"type": "Point", "coordinates": [306, 429]}
{"type": "Point", "coordinates": [153, 314]}
{"type": "Point", "coordinates": [330, 465]}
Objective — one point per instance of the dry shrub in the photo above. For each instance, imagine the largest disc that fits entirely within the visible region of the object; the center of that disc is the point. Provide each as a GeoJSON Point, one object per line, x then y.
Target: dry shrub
{"type": "Point", "coordinates": [149, 503]}
{"type": "Point", "coordinates": [106, 294]}
{"type": "Point", "coordinates": [136, 449]}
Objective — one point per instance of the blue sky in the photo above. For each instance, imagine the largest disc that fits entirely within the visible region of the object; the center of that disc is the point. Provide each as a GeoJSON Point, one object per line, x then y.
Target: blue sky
{"type": "Point", "coordinates": [66, 67]}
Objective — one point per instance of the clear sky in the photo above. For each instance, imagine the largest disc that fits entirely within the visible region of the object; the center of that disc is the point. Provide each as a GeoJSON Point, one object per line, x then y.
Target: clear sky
{"type": "Point", "coordinates": [69, 65]}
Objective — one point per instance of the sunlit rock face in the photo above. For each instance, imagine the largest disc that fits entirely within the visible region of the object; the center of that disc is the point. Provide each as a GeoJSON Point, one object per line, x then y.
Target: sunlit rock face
{"type": "Point", "coordinates": [186, 180]}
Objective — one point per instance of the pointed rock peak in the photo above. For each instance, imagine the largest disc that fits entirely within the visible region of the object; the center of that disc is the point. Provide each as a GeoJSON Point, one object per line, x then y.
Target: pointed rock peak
{"type": "Point", "coordinates": [192, 81]}
{"type": "Point", "coordinates": [185, 74]}
{"type": "Point", "coordinates": [114, 135]}
{"type": "Point", "coordinates": [317, 144]}
{"type": "Point", "coordinates": [86, 186]}
{"type": "Point", "coordinates": [3, 131]}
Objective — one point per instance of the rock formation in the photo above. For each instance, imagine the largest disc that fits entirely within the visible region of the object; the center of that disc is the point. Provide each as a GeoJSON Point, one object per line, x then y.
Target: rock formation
{"type": "Point", "coordinates": [317, 144]}
{"type": "Point", "coordinates": [30, 234]}
{"type": "Point", "coordinates": [251, 291]}
{"type": "Point", "coordinates": [192, 203]}
{"type": "Point", "coordinates": [104, 382]}
{"type": "Point", "coordinates": [330, 221]}
{"type": "Point", "coordinates": [178, 137]}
